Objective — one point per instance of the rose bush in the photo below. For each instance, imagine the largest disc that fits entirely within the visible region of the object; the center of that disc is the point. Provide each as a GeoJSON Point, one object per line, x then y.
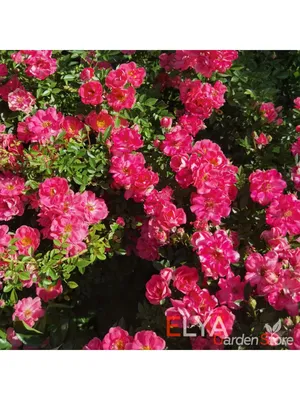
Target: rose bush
{"type": "Point", "coordinates": [142, 192]}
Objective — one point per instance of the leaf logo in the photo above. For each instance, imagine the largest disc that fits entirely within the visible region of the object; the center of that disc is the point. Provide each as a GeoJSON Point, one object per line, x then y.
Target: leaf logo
{"type": "Point", "coordinates": [276, 328]}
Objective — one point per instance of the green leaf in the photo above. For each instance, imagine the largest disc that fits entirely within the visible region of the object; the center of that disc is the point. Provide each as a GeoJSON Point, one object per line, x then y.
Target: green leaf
{"type": "Point", "coordinates": [69, 77]}
{"type": "Point", "coordinates": [24, 276]}
{"type": "Point", "coordinates": [150, 102]}
{"type": "Point", "coordinates": [72, 285]}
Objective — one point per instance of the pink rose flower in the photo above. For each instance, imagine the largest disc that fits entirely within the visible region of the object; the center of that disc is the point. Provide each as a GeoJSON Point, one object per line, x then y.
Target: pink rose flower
{"type": "Point", "coordinates": [146, 340]}
{"type": "Point", "coordinates": [157, 289]}
{"type": "Point", "coordinates": [28, 238]}
{"type": "Point", "coordinates": [116, 339]}
{"type": "Point", "coordinates": [28, 310]}
{"type": "Point", "coordinates": [49, 293]}
{"type": "Point", "coordinates": [93, 344]}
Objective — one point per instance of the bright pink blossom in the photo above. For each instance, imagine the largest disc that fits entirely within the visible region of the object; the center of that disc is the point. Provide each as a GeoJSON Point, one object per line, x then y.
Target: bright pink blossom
{"type": "Point", "coordinates": [20, 100]}
{"type": "Point", "coordinates": [91, 93]}
{"type": "Point", "coordinates": [157, 289]}
{"type": "Point", "coordinates": [297, 103]}
{"type": "Point", "coordinates": [49, 293]}
{"type": "Point", "coordinates": [284, 213]}
{"type": "Point", "coordinates": [87, 74]}
{"type": "Point", "coordinates": [118, 99]}
{"type": "Point", "coordinates": [146, 340]}
{"type": "Point", "coordinates": [185, 278]}
{"type": "Point", "coordinates": [72, 126]}
{"type": "Point", "coordinates": [296, 338]}
{"type": "Point", "coordinates": [116, 339]}
{"type": "Point", "coordinates": [220, 322]}
{"type": "Point", "coordinates": [135, 76]}
{"type": "Point", "coordinates": [99, 122]}
{"type": "Point", "coordinates": [44, 124]}
{"type": "Point", "coordinates": [266, 186]}
{"type": "Point", "coordinates": [28, 310]}
{"type": "Point", "coordinates": [93, 344]}
{"type": "Point", "coordinates": [215, 252]}
{"type": "Point", "coordinates": [95, 209]}
{"type": "Point", "coordinates": [28, 238]}
{"type": "Point", "coordinates": [231, 293]}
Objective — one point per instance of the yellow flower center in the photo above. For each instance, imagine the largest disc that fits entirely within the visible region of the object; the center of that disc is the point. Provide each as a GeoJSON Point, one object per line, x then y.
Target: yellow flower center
{"type": "Point", "coordinates": [68, 228]}
{"type": "Point", "coordinates": [10, 187]}
{"type": "Point", "coordinates": [27, 313]}
{"type": "Point", "coordinates": [46, 124]}
{"type": "Point", "coordinates": [119, 344]}
{"type": "Point", "coordinates": [100, 124]}
{"type": "Point", "coordinates": [26, 241]}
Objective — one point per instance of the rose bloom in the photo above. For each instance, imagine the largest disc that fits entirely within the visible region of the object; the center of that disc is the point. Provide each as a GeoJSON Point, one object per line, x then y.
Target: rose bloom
{"type": "Point", "coordinates": [4, 236]}
{"type": "Point", "coordinates": [49, 293]}
{"type": "Point", "coordinates": [231, 293]}
{"type": "Point", "coordinates": [202, 343]}
{"type": "Point", "coordinates": [44, 124]}
{"type": "Point", "coordinates": [120, 221]}
{"type": "Point", "coordinates": [52, 191]}
{"type": "Point", "coordinates": [93, 344]}
{"type": "Point", "coordinates": [91, 93]}
{"type": "Point", "coordinates": [99, 122]}
{"type": "Point", "coordinates": [72, 126]}
{"type": "Point", "coordinates": [284, 213]}
{"type": "Point", "coordinates": [28, 238]}
{"type": "Point", "coordinates": [87, 74]}
{"type": "Point", "coordinates": [135, 76]}
{"type": "Point", "coordinates": [3, 70]}
{"type": "Point", "coordinates": [296, 338]}
{"type": "Point", "coordinates": [95, 209]}
{"type": "Point", "coordinates": [20, 100]}
{"type": "Point", "coordinates": [297, 103]}
{"type": "Point", "coordinates": [146, 340]}
{"type": "Point", "coordinates": [220, 322]}
{"type": "Point", "coordinates": [116, 339]}
{"type": "Point", "coordinates": [166, 122]}
{"type": "Point", "coordinates": [166, 274]}
{"type": "Point", "coordinates": [215, 252]}
{"type": "Point", "coordinates": [262, 140]}
{"type": "Point", "coordinates": [116, 79]}
{"type": "Point", "coordinates": [118, 99]}
{"type": "Point", "coordinates": [272, 338]}
{"type": "Point", "coordinates": [12, 338]}
{"type": "Point", "coordinates": [157, 289]}
{"type": "Point", "coordinates": [9, 87]}
{"type": "Point", "coordinates": [40, 66]}
{"type": "Point", "coordinates": [295, 149]}
{"type": "Point", "coordinates": [266, 186]}
{"type": "Point", "coordinates": [11, 184]}
{"type": "Point", "coordinates": [10, 207]}
{"type": "Point", "coordinates": [185, 278]}
{"type": "Point", "coordinates": [28, 310]}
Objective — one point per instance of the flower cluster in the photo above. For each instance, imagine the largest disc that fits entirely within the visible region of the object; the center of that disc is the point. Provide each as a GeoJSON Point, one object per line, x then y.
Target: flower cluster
{"type": "Point", "coordinates": [119, 339]}
{"type": "Point", "coordinates": [39, 63]}
{"type": "Point", "coordinates": [11, 151]}
{"type": "Point", "coordinates": [216, 253]}
{"type": "Point", "coordinates": [276, 276]}
{"type": "Point", "coordinates": [197, 305]}
{"type": "Point", "coordinates": [200, 98]}
{"type": "Point", "coordinates": [41, 126]}
{"type": "Point", "coordinates": [205, 62]}
{"type": "Point", "coordinates": [164, 219]}
{"type": "Point", "coordinates": [65, 216]}
{"type": "Point", "coordinates": [270, 113]}
{"type": "Point", "coordinates": [12, 188]}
